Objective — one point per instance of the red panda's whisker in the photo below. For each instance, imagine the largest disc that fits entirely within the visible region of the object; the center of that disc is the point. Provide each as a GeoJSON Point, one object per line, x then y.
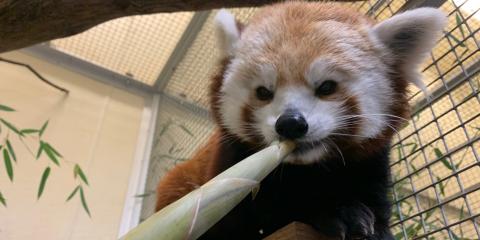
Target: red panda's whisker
{"type": "Point", "coordinates": [346, 134]}
{"type": "Point", "coordinates": [339, 151]}
{"type": "Point", "coordinates": [381, 114]}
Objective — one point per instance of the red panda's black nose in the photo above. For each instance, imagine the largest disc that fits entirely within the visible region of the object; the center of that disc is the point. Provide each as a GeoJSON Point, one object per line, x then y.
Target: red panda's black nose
{"type": "Point", "coordinates": [291, 125]}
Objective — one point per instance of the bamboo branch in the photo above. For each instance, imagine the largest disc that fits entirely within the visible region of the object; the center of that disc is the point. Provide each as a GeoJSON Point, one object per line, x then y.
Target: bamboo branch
{"type": "Point", "coordinates": [27, 22]}
{"type": "Point", "coordinates": [39, 76]}
{"type": "Point", "coordinates": [196, 212]}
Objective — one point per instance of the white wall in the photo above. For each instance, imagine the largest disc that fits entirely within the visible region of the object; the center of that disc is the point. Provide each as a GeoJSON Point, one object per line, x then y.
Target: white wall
{"type": "Point", "coordinates": [96, 126]}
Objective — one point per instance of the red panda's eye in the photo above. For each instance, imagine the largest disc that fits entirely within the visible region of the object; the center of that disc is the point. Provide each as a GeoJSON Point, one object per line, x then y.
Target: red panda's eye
{"type": "Point", "coordinates": [263, 93]}
{"type": "Point", "coordinates": [326, 88]}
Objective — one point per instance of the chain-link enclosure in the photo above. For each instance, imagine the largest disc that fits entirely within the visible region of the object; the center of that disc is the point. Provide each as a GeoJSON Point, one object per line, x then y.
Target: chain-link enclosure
{"type": "Point", "coordinates": [435, 156]}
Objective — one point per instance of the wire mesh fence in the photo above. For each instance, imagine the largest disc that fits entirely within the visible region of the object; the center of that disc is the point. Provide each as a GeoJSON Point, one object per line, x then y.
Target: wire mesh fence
{"type": "Point", "coordinates": [137, 46]}
{"type": "Point", "coordinates": [435, 156]}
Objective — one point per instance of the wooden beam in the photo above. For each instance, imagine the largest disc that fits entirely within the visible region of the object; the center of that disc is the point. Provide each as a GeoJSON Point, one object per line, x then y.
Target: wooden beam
{"type": "Point", "coordinates": [27, 22]}
{"type": "Point", "coordinates": [297, 231]}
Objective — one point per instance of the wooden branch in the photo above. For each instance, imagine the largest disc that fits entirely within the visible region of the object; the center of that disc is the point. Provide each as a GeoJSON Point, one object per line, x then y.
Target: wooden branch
{"type": "Point", "coordinates": [27, 22]}
{"type": "Point", "coordinates": [39, 76]}
{"type": "Point", "coordinates": [297, 231]}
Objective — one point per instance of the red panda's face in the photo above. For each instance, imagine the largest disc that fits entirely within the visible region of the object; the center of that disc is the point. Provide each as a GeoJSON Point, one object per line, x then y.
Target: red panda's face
{"type": "Point", "coordinates": [319, 75]}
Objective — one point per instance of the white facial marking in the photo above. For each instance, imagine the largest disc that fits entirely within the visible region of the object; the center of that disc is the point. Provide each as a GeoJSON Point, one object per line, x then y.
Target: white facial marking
{"type": "Point", "coordinates": [235, 95]}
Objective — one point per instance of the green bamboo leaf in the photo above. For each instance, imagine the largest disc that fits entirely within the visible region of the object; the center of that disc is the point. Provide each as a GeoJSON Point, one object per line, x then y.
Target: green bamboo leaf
{"type": "Point", "coordinates": [399, 152]}
{"type": "Point", "coordinates": [73, 193]}
{"type": "Point", "coordinates": [42, 129]}
{"type": "Point", "coordinates": [185, 129]}
{"type": "Point", "coordinates": [10, 150]}
{"type": "Point", "coordinates": [172, 148]}
{"type": "Point", "coordinates": [84, 202]}
{"type": "Point", "coordinates": [144, 195]}
{"type": "Point", "coordinates": [8, 164]}
{"type": "Point", "coordinates": [457, 166]}
{"type": "Point", "coordinates": [6, 108]}
{"type": "Point", "coordinates": [474, 127]}
{"type": "Point", "coordinates": [455, 237]}
{"type": "Point", "coordinates": [441, 186]}
{"type": "Point", "coordinates": [398, 236]}
{"type": "Point", "coordinates": [47, 145]}
{"type": "Point", "coordinates": [29, 131]}
{"type": "Point", "coordinates": [11, 126]}
{"type": "Point", "coordinates": [461, 213]}
{"type": "Point", "coordinates": [3, 200]}
{"type": "Point", "coordinates": [414, 148]}
{"type": "Point", "coordinates": [51, 155]}
{"type": "Point", "coordinates": [462, 54]}
{"type": "Point", "coordinates": [176, 159]}
{"type": "Point", "coordinates": [1, 147]}
{"type": "Point", "coordinates": [460, 43]}
{"type": "Point", "coordinates": [40, 150]}
{"type": "Point", "coordinates": [459, 23]}
{"type": "Point", "coordinates": [165, 127]}
{"type": "Point", "coordinates": [78, 172]}
{"type": "Point", "coordinates": [43, 181]}
{"type": "Point", "coordinates": [440, 156]}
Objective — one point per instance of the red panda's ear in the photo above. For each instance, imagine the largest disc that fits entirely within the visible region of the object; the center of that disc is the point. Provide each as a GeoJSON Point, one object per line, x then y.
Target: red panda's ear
{"type": "Point", "coordinates": [410, 36]}
{"type": "Point", "coordinates": [228, 31]}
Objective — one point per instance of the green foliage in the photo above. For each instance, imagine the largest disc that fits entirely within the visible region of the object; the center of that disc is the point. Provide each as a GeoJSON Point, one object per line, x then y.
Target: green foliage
{"type": "Point", "coordinates": [84, 202]}
{"type": "Point", "coordinates": [42, 129]}
{"type": "Point", "coordinates": [441, 158]}
{"type": "Point", "coordinates": [29, 131]}
{"type": "Point", "coordinates": [441, 185]}
{"type": "Point", "coordinates": [455, 39]}
{"type": "Point", "coordinates": [146, 194]}
{"type": "Point", "coordinates": [77, 171]}
{"type": "Point", "coordinates": [404, 208]}
{"type": "Point", "coordinates": [11, 126]}
{"type": "Point", "coordinates": [2, 200]}
{"type": "Point", "coordinates": [459, 23]}
{"type": "Point", "coordinates": [8, 164]}
{"type": "Point", "coordinates": [6, 108]}
{"type": "Point", "coordinates": [173, 150]}
{"type": "Point", "coordinates": [72, 194]}
{"type": "Point", "coordinates": [51, 152]}
{"type": "Point", "coordinates": [43, 181]}
{"type": "Point", "coordinates": [8, 151]}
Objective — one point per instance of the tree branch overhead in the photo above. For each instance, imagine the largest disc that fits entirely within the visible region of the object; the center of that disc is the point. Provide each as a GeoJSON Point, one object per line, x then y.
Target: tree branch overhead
{"type": "Point", "coordinates": [28, 22]}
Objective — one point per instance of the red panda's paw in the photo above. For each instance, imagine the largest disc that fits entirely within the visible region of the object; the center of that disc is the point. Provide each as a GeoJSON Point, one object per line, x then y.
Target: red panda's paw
{"type": "Point", "coordinates": [359, 221]}
{"type": "Point", "coordinates": [354, 221]}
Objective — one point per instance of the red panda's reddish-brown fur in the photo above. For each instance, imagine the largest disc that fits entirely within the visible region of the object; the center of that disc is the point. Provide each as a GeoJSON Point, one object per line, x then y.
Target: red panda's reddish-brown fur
{"type": "Point", "coordinates": [187, 176]}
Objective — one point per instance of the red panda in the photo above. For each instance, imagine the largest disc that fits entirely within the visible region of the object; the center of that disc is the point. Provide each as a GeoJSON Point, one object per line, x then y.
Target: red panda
{"type": "Point", "coordinates": [330, 79]}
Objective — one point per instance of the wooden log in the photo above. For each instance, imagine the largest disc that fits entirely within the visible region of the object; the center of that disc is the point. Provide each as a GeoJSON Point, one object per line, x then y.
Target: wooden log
{"type": "Point", "coordinates": [27, 22]}
{"type": "Point", "coordinates": [297, 231]}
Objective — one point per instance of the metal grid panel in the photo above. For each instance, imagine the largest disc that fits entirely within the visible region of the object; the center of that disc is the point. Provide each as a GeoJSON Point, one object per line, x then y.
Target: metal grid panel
{"type": "Point", "coordinates": [181, 129]}
{"type": "Point", "coordinates": [435, 161]}
{"type": "Point", "coordinates": [190, 80]}
{"type": "Point", "coordinates": [137, 46]}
